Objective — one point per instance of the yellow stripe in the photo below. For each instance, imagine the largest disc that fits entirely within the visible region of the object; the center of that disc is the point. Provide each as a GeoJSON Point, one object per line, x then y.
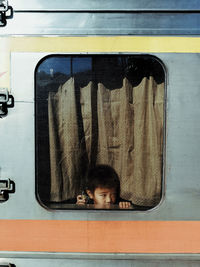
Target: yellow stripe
{"type": "Point", "coordinates": [5, 62]}
{"type": "Point", "coordinates": [102, 44]}
{"type": "Point", "coordinates": [117, 44]}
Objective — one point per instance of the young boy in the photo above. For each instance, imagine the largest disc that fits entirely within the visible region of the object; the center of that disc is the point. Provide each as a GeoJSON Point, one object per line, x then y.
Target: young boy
{"type": "Point", "coordinates": [103, 188]}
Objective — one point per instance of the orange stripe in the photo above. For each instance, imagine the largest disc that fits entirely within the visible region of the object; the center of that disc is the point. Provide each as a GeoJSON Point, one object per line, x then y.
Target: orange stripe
{"type": "Point", "coordinates": [100, 236]}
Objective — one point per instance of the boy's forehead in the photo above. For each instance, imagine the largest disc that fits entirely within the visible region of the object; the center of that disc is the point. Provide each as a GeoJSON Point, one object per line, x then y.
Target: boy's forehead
{"type": "Point", "coordinates": [105, 189]}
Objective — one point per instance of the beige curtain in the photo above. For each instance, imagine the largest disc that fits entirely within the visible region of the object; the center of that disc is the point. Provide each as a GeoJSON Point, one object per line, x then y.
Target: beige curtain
{"type": "Point", "coordinates": [122, 127]}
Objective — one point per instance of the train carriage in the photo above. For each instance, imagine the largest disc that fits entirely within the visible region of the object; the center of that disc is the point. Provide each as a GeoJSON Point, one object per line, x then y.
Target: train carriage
{"type": "Point", "coordinates": [99, 82]}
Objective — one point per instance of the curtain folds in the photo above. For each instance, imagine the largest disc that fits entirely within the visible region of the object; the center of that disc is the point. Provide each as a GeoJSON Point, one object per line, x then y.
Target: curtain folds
{"type": "Point", "coordinates": [122, 127]}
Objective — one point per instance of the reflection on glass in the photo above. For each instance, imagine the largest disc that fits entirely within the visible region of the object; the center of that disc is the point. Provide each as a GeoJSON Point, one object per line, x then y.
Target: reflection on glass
{"type": "Point", "coordinates": [93, 110]}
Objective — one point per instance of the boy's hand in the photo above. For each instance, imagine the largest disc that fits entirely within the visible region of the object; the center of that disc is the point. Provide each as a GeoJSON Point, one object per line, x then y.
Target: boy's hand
{"type": "Point", "coordinates": [124, 204]}
{"type": "Point", "coordinates": [80, 200]}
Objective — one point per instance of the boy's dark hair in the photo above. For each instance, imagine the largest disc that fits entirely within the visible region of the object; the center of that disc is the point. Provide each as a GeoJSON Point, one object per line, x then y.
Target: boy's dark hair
{"type": "Point", "coordinates": [103, 176]}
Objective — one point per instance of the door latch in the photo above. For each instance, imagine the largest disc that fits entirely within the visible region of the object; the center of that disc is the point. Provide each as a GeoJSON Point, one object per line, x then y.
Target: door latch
{"type": "Point", "coordinates": [6, 101]}
{"type": "Point", "coordinates": [7, 265]}
{"type": "Point", "coordinates": [6, 12]}
{"type": "Point", "coordinates": [6, 187]}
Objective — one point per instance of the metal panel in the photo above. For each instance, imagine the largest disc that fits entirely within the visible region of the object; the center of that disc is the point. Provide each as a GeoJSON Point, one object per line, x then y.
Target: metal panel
{"type": "Point", "coordinates": [182, 152]}
{"type": "Point", "coordinates": [86, 23]}
{"type": "Point", "coordinates": [100, 260]}
{"type": "Point", "coordinates": [105, 5]}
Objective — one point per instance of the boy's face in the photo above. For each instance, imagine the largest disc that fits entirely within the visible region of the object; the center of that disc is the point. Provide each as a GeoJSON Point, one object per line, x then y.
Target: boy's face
{"type": "Point", "coordinates": [103, 196]}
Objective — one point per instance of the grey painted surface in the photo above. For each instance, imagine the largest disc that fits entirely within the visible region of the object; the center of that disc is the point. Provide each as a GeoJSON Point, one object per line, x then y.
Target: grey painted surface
{"type": "Point", "coordinates": [143, 260]}
{"type": "Point", "coordinates": [105, 5]}
{"type": "Point", "coordinates": [182, 168]}
{"type": "Point", "coordinates": [10, 255]}
{"type": "Point", "coordinates": [182, 185]}
{"type": "Point", "coordinates": [106, 17]}
{"type": "Point", "coordinates": [86, 23]}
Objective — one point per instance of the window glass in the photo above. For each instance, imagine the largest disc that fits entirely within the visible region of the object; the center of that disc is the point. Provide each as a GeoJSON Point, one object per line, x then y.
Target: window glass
{"type": "Point", "coordinates": [99, 131]}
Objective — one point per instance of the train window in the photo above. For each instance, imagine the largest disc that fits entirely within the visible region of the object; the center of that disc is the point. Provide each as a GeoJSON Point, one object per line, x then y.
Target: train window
{"type": "Point", "coordinates": [99, 131]}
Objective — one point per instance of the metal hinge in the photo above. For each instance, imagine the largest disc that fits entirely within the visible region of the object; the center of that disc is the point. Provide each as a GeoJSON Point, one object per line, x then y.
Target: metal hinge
{"type": "Point", "coordinates": [7, 265]}
{"type": "Point", "coordinates": [6, 101]}
{"type": "Point", "coordinates": [6, 12]}
{"type": "Point", "coordinates": [6, 187]}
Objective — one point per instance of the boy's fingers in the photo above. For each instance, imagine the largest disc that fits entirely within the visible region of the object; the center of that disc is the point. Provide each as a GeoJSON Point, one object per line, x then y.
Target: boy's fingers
{"type": "Point", "coordinates": [80, 200]}
{"type": "Point", "coordinates": [124, 205]}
